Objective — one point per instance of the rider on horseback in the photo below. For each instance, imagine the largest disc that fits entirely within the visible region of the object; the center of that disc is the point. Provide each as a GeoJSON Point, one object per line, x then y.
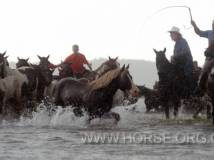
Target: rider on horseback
{"type": "Point", "coordinates": [182, 56]}
{"type": "Point", "coordinates": [209, 61]}
{"type": "Point", "coordinates": [77, 61]}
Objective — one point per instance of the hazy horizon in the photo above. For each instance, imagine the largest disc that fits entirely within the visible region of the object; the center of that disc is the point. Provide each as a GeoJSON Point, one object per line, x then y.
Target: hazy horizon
{"type": "Point", "coordinates": [125, 28]}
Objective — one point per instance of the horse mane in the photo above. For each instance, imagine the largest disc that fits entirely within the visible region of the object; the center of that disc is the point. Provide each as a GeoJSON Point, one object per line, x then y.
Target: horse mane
{"type": "Point", "coordinates": [105, 79]}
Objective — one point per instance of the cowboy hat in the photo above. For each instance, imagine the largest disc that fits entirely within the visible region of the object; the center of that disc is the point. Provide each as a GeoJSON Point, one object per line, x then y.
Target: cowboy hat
{"type": "Point", "coordinates": [175, 30]}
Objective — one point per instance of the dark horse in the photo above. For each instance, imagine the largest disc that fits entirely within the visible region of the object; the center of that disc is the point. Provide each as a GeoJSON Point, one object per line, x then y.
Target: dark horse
{"type": "Point", "coordinates": [152, 99]}
{"type": "Point", "coordinates": [65, 70]}
{"type": "Point", "coordinates": [39, 76]}
{"type": "Point", "coordinates": [22, 62]}
{"type": "Point", "coordinates": [210, 83]}
{"type": "Point", "coordinates": [171, 84]}
{"type": "Point", "coordinates": [95, 97]}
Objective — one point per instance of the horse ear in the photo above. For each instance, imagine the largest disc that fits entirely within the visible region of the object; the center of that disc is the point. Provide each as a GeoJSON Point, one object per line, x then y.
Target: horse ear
{"type": "Point", "coordinates": [164, 50]}
{"type": "Point", "coordinates": [155, 51]}
{"type": "Point", "coordinates": [116, 59]}
{"type": "Point", "coordinates": [109, 58]}
{"type": "Point", "coordinates": [4, 53]}
{"type": "Point", "coordinates": [48, 57]}
{"type": "Point", "coordinates": [27, 59]}
{"type": "Point", "coordinates": [123, 68]}
{"type": "Point", "coordinates": [127, 67]}
{"type": "Point", "coordinates": [18, 58]}
{"type": "Point", "coordinates": [6, 57]}
{"type": "Point", "coordinates": [39, 57]}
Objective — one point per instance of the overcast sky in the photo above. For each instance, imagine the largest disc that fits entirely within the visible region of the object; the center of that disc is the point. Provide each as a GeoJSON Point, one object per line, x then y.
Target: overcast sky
{"type": "Point", "coordinates": [125, 28]}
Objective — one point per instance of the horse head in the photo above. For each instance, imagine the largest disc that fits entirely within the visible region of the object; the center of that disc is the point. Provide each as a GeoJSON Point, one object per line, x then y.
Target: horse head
{"type": "Point", "coordinates": [3, 64]}
{"type": "Point", "coordinates": [108, 65]}
{"type": "Point", "coordinates": [22, 62]}
{"type": "Point", "coordinates": [44, 61]}
{"type": "Point", "coordinates": [2, 57]}
{"type": "Point", "coordinates": [126, 82]}
{"type": "Point", "coordinates": [65, 70]}
{"type": "Point", "coordinates": [45, 73]}
{"type": "Point", "coordinates": [162, 63]}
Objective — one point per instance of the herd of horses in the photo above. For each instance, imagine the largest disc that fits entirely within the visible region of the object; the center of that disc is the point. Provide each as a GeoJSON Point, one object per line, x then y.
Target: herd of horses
{"type": "Point", "coordinates": [21, 89]}
{"type": "Point", "coordinates": [29, 84]}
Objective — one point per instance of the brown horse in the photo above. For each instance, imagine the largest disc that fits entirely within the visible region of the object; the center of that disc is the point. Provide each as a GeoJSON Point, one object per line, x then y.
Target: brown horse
{"type": "Point", "coordinates": [66, 71]}
{"type": "Point", "coordinates": [95, 97]}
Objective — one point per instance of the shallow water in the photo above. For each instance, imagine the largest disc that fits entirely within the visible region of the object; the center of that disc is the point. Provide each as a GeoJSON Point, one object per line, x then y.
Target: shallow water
{"type": "Point", "coordinates": [61, 136]}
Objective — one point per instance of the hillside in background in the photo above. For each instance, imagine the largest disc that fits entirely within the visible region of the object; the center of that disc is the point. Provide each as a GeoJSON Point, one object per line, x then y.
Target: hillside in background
{"type": "Point", "coordinates": [143, 72]}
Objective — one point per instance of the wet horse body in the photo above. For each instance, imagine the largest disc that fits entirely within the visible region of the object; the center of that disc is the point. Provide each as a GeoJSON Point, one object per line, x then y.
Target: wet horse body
{"type": "Point", "coordinates": [11, 85]}
{"type": "Point", "coordinates": [152, 98]}
{"type": "Point", "coordinates": [210, 82]}
{"type": "Point", "coordinates": [95, 97]}
{"type": "Point", "coordinates": [39, 76]}
{"type": "Point", "coordinates": [169, 87]}
{"type": "Point", "coordinates": [65, 72]}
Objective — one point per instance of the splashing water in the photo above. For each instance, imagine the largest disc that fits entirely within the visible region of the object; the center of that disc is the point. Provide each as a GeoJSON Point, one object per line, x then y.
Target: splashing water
{"type": "Point", "coordinates": [58, 134]}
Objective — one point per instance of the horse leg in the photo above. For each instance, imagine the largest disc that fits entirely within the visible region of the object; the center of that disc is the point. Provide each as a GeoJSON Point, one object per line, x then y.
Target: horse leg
{"type": "Point", "coordinates": [114, 115]}
{"type": "Point", "coordinates": [213, 111]}
{"type": "Point", "coordinates": [198, 111]}
{"type": "Point", "coordinates": [209, 114]}
{"type": "Point", "coordinates": [176, 105]}
{"type": "Point", "coordinates": [166, 106]}
{"type": "Point", "coordinates": [4, 112]}
{"type": "Point", "coordinates": [78, 112]}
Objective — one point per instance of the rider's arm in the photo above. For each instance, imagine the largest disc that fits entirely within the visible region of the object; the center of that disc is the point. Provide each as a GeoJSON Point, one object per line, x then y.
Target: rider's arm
{"type": "Point", "coordinates": [198, 31]}
{"type": "Point", "coordinates": [85, 61]}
